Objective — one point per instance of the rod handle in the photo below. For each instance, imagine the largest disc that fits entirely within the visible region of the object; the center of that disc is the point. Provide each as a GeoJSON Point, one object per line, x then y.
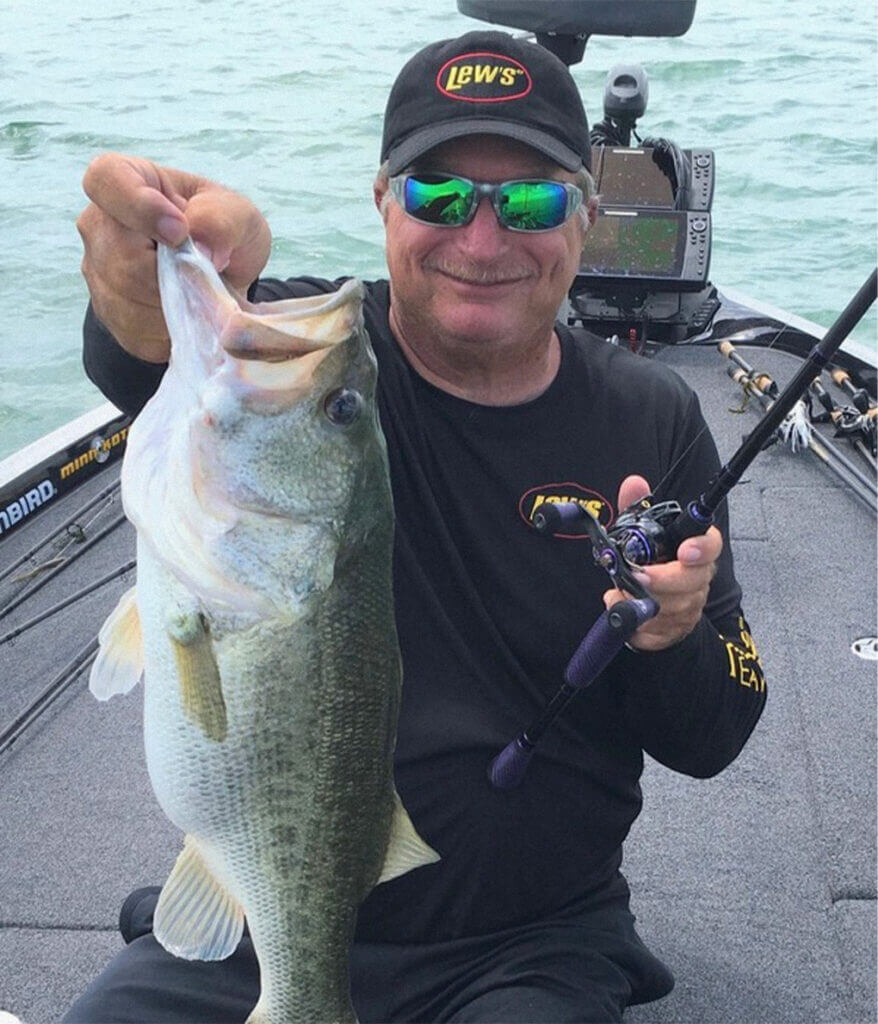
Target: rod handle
{"type": "Point", "coordinates": [507, 769]}
{"type": "Point", "coordinates": [606, 638]}
{"type": "Point", "coordinates": [693, 521]}
{"type": "Point", "coordinates": [859, 396]}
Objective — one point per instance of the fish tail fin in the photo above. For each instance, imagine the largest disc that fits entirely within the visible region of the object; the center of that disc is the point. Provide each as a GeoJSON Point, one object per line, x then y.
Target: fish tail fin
{"type": "Point", "coordinates": [406, 850]}
{"type": "Point", "coordinates": [119, 664]}
{"type": "Point", "coordinates": [196, 917]}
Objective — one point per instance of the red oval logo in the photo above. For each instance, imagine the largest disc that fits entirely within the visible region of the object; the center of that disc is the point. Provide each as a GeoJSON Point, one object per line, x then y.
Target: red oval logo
{"type": "Point", "coordinates": [483, 78]}
{"type": "Point", "coordinates": [596, 503]}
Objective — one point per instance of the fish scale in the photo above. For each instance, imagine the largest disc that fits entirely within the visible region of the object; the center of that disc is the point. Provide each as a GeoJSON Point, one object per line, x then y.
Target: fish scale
{"type": "Point", "coordinates": [263, 619]}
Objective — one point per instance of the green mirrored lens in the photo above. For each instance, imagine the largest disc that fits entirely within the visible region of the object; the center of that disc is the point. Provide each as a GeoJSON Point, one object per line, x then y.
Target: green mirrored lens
{"type": "Point", "coordinates": [533, 205]}
{"type": "Point", "coordinates": [439, 199]}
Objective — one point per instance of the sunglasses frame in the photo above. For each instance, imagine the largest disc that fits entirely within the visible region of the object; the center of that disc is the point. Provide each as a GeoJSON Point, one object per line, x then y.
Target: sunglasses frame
{"type": "Point", "coordinates": [482, 189]}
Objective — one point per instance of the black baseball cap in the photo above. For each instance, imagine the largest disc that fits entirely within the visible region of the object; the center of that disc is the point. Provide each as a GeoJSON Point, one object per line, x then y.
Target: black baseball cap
{"type": "Point", "coordinates": [485, 83]}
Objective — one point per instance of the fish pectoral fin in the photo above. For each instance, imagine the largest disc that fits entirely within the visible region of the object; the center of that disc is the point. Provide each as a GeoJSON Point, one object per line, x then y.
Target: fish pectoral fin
{"type": "Point", "coordinates": [196, 917]}
{"type": "Point", "coordinates": [405, 850]}
{"type": "Point", "coordinates": [119, 664]}
{"type": "Point", "coordinates": [201, 691]}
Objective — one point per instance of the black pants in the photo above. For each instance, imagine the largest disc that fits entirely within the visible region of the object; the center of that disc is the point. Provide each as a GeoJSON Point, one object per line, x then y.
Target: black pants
{"type": "Point", "coordinates": [585, 964]}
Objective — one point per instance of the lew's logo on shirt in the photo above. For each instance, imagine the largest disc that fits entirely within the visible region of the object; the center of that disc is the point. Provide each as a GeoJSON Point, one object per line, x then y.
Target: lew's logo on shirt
{"type": "Point", "coordinates": [595, 503]}
{"type": "Point", "coordinates": [484, 78]}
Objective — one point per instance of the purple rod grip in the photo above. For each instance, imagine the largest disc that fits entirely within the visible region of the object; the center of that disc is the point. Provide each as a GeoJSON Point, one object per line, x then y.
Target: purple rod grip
{"type": "Point", "coordinates": [507, 769]}
{"type": "Point", "coordinates": [605, 639]}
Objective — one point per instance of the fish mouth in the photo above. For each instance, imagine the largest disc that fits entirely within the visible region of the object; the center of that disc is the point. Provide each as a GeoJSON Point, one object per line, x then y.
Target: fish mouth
{"type": "Point", "coordinates": [274, 349]}
{"type": "Point", "coordinates": [262, 350]}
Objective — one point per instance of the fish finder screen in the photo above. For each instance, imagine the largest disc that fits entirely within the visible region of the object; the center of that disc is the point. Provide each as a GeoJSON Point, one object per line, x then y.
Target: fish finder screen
{"type": "Point", "coordinates": [634, 244]}
{"type": "Point", "coordinates": [630, 177]}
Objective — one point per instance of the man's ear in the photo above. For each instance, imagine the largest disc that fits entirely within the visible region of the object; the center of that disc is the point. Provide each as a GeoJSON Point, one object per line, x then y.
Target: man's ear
{"type": "Point", "coordinates": [591, 208]}
{"type": "Point", "coordinates": [378, 195]}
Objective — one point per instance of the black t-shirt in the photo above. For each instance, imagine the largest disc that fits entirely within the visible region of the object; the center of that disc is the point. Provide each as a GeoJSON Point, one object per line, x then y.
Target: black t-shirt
{"type": "Point", "coordinates": [489, 612]}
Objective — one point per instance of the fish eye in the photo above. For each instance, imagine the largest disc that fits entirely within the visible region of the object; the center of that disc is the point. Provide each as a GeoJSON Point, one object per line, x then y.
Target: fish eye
{"type": "Point", "coordinates": [343, 406]}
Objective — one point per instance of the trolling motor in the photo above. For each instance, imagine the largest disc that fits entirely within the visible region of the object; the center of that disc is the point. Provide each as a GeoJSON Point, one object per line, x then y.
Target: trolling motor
{"type": "Point", "coordinates": [650, 531]}
{"type": "Point", "coordinates": [626, 94]}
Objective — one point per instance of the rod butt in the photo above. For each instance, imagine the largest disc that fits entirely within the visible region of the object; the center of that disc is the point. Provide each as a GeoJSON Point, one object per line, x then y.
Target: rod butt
{"type": "Point", "coordinates": [507, 769]}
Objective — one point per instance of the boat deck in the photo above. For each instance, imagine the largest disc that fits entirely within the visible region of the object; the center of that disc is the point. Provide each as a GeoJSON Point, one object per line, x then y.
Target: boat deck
{"type": "Point", "coordinates": [757, 887]}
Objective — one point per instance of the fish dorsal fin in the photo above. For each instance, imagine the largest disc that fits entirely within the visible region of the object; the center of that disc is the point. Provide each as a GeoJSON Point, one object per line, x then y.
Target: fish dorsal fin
{"type": "Point", "coordinates": [119, 664]}
{"type": "Point", "coordinates": [196, 918]}
{"type": "Point", "coordinates": [406, 850]}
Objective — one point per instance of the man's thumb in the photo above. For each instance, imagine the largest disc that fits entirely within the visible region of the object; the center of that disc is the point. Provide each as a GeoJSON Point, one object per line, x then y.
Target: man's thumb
{"type": "Point", "coordinates": [632, 489]}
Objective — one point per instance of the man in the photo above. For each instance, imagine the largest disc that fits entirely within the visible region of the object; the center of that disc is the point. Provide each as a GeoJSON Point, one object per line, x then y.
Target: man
{"type": "Point", "coordinates": [490, 408]}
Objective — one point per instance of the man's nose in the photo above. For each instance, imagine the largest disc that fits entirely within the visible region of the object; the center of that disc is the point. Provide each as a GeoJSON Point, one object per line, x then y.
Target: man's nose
{"type": "Point", "coordinates": [483, 236]}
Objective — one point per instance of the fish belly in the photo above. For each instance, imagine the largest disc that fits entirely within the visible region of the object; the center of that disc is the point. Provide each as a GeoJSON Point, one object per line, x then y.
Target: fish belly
{"type": "Point", "coordinates": [291, 808]}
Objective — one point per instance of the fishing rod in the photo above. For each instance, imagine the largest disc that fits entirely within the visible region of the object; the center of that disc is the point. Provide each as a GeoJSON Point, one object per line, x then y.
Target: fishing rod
{"type": "Point", "coordinates": [766, 390]}
{"type": "Point", "coordinates": [649, 531]}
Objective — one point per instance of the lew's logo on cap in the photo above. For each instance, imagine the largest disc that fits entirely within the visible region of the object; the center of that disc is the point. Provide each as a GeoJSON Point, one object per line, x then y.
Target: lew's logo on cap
{"type": "Point", "coordinates": [484, 78]}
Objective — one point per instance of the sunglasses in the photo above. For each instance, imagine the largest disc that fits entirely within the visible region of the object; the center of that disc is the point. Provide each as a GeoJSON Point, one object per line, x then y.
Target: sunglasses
{"type": "Point", "coordinates": [449, 201]}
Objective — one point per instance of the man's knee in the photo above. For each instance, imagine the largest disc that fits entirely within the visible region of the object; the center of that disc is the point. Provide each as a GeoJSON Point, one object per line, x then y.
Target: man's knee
{"type": "Point", "coordinates": [144, 984]}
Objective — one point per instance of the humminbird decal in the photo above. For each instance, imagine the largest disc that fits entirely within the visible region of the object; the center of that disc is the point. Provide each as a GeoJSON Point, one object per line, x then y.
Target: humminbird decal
{"type": "Point", "coordinates": [22, 507]}
{"type": "Point", "coordinates": [484, 78]}
{"type": "Point", "coordinates": [595, 503]}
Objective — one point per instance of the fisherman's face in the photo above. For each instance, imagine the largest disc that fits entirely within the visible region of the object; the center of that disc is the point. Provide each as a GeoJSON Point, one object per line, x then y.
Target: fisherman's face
{"type": "Point", "coordinates": [480, 283]}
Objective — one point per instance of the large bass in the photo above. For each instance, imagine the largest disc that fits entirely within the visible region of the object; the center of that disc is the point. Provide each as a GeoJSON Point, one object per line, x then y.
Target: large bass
{"type": "Point", "coordinates": [262, 621]}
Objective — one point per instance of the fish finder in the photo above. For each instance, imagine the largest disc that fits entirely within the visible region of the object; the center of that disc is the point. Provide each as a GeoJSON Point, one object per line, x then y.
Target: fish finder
{"type": "Point", "coordinates": [653, 228]}
{"type": "Point", "coordinates": [645, 247]}
{"type": "Point", "coordinates": [646, 260]}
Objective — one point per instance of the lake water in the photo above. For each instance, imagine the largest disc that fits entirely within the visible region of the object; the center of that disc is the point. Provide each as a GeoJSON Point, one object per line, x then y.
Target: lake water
{"type": "Point", "coordinates": [284, 101]}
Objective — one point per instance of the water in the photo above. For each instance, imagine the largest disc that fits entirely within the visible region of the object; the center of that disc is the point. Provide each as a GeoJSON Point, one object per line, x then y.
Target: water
{"type": "Point", "coordinates": [285, 102]}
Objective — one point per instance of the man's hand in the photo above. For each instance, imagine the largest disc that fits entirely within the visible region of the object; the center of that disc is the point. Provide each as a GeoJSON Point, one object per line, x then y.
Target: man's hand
{"type": "Point", "coordinates": [680, 587]}
{"type": "Point", "coordinates": [136, 203]}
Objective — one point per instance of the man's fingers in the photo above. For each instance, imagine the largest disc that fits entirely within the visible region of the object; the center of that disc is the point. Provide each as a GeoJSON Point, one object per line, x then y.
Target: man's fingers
{"type": "Point", "coordinates": [144, 198]}
{"type": "Point", "coordinates": [233, 231]}
{"type": "Point", "coordinates": [701, 550]}
{"type": "Point", "coordinates": [681, 588]}
{"type": "Point", "coordinates": [136, 204]}
{"type": "Point", "coordinates": [118, 265]}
